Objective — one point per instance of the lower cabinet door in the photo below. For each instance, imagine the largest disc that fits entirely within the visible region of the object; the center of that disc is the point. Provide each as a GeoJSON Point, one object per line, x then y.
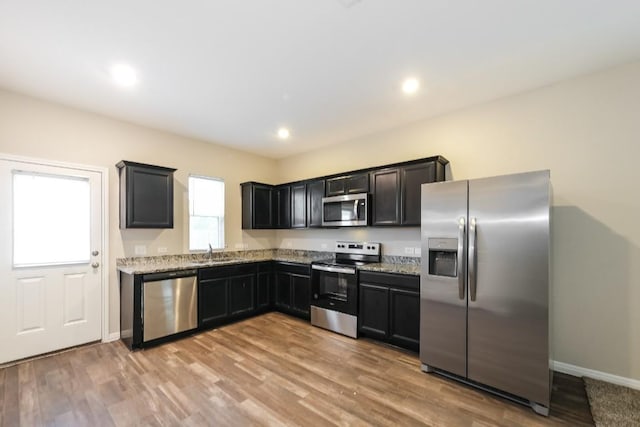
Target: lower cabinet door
{"type": "Point", "coordinates": [373, 314]}
{"type": "Point", "coordinates": [300, 286]}
{"type": "Point", "coordinates": [283, 290]}
{"type": "Point", "coordinates": [213, 304]}
{"type": "Point", "coordinates": [241, 294]}
{"type": "Point", "coordinates": [404, 313]}
{"type": "Point", "coordinates": [264, 290]}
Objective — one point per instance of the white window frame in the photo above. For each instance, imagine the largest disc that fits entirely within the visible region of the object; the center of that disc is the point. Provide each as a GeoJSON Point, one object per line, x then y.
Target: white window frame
{"type": "Point", "coordinates": [221, 219]}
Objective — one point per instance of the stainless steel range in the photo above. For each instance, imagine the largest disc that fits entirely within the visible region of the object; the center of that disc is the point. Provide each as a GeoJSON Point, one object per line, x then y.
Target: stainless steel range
{"type": "Point", "coordinates": [334, 286]}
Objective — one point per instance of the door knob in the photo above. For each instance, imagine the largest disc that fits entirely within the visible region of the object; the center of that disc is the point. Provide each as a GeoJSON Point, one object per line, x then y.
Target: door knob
{"type": "Point", "coordinates": [95, 253]}
{"type": "Point", "coordinates": [95, 265]}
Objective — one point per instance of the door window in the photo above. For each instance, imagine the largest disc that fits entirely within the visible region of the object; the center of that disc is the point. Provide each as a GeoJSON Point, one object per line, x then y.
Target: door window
{"type": "Point", "coordinates": [51, 219]}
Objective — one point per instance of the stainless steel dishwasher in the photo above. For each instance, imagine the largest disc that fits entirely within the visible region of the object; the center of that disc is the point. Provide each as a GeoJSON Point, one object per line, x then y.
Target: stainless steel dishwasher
{"type": "Point", "coordinates": [169, 303]}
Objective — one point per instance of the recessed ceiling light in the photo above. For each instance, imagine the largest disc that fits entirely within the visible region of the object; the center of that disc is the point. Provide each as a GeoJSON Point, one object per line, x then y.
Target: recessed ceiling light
{"type": "Point", "coordinates": [124, 75]}
{"type": "Point", "coordinates": [410, 86]}
{"type": "Point", "coordinates": [283, 133]}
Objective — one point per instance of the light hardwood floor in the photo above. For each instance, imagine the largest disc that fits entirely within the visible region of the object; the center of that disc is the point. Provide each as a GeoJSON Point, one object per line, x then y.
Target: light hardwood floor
{"type": "Point", "coordinates": [268, 370]}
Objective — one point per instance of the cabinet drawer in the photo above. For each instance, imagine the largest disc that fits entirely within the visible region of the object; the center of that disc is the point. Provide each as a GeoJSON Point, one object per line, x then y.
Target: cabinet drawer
{"type": "Point", "coordinates": [226, 271]}
{"type": "Point", "coordinates": [402, 281]}
{"type": "Point", "coordinates": [292, 267]}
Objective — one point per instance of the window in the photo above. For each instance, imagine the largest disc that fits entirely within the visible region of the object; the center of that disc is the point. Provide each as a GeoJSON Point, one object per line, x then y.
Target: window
{"type": "Point", "coordinates": [206, 213]}
{"type": "Point", "coordinates": [51, 219]}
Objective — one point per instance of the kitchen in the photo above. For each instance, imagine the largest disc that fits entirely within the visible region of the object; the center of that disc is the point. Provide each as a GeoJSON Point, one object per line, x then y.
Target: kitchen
{"type": "Point", "coordinates": [583, 128]}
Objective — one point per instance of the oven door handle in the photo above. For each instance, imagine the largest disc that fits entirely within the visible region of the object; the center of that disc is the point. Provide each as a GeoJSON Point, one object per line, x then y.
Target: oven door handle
{"type": "Point", "coordinates": [345, 270]}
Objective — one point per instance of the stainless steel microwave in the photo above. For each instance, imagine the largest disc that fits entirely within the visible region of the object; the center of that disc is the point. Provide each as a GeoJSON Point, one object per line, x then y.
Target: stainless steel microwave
{"type": "Point", "coordinates": [345, 211]}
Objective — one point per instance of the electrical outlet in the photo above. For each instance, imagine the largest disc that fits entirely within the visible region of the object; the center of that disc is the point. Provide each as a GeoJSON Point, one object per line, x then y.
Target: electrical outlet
{"type": "Point", "coordinates": [140, 249]}
{"type": "Point", "coordinates": [417, 251]}
{"type": "Point", "coordinates": [408, 251]}
{"type": "Point", "coordinates": [162, 250]}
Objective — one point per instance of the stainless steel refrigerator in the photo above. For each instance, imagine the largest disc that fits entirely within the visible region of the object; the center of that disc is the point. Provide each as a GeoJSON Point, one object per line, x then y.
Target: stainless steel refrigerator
{"type": "Point", "coordinates": [484, 297]}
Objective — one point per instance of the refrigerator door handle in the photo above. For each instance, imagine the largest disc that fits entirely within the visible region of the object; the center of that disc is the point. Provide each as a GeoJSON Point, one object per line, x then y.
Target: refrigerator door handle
{"type": "Point", "coordinates": [472, 259]}
{"type": "Point", "coordinates": [461, 263]}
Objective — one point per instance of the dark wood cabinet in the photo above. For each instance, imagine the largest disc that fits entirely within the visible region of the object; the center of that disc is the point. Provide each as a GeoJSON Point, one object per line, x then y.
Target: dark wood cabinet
{"type": "Point", "coordinates": [373, 317]}
{"type": "Point", "coordinates": [396, 192]}
{"type": "Point", "coordinates": [293, 288]}
{"type": "Point", "coordinates": [283, 290]}
{"type": "Point", "coordinates": [264, 285]}
{"type": "Point", "coordinates": [282, 205]}
{"type": "Point", "coordinates": [213, 301]}
{"type": "Point", "coordinates": [385, 197]}
{"type": "Point", "coordinates": [315, 193]}
{"type": "Point", "coordinates": [301, 294]}
{"type": "Point", "coordinates": [257, 206]}
{"type": "Point", "coordinates": [299, 205]}
{"type": "Point", "coordinates": [390, 308]}
{"type": "Point", "coordinates": [226, 293]}
{"type": "Point", "coordinates": [348, 184]}
{"type": "Point", "coordinates": [411, 178]}
{"type": "Point", "coordinates": [404, 318]}
{"type": "Point", "coordinates": [242, 294]}
{"type": "Point", "coordinates": [146, 195]}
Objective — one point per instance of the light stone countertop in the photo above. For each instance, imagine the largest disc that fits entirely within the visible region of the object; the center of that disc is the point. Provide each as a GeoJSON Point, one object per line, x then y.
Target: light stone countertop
{"type": "Point", "coordinates": [166, 263]}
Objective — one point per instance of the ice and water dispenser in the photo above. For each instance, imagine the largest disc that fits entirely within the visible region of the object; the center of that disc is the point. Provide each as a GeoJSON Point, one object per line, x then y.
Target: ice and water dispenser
{"type": "Point", "coordinates": [443, 257]}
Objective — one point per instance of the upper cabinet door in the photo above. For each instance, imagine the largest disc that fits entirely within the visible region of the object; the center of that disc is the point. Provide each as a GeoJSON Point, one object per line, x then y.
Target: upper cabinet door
{"type": "Point", "coordinates": [282, 206]}
{"type": "Point", "coordinates": [315, 193]}
{"type": "Point", "coordinates": [358, 183]}
{"type": "Point", "coordinates": [146, 195]}
{"type": "Point", "coordinates": [299, 206]}
{"type": "Point", "coordinates": [262, 206]}
{"type": "Point", "coordinates": [257, 206]}
{"type": "Point", "coordinates": [385, 190]}
{"type": "Point", "coordinates": [335, 186]}
{"type": "Point", "coordinates": [348, 184]}
{"type": "Point", "coordinates": [412, 177]}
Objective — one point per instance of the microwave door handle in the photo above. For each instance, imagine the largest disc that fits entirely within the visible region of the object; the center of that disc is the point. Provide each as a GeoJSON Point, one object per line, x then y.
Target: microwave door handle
{"type": "Point", "coordinates": [355, 209]}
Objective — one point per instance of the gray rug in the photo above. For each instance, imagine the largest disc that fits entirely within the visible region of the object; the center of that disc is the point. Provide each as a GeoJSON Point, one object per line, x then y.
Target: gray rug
{"type": "Point", "coordinates": [613, 405]}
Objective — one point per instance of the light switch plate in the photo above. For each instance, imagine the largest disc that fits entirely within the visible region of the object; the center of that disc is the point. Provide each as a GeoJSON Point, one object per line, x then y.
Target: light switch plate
{"type": "Point", "coordinates": [162, 250]}
{"type": "Point", "coordinates": [417, 251]}
{"type": "Point", "coordinates": [408, 251]}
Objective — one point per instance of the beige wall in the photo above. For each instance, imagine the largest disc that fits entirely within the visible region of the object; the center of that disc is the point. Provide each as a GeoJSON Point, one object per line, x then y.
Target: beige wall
{"type": "Point", "coordinates": [34, 128]}
{"type": "Point", "coordinates": [587, 132]}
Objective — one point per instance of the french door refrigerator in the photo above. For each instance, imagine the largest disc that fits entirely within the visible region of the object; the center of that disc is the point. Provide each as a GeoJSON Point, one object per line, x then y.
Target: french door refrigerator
{"type": "Point", "coordinates": [484, 297]}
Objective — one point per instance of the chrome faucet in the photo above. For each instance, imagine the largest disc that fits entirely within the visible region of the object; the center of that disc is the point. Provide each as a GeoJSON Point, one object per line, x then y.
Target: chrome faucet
{"type": "Point", "coordinates": [210, 252]}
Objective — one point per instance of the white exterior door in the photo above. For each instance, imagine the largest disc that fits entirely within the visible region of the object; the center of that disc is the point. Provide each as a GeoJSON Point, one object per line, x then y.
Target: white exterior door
{"type": "Point", "coordinates": [50, 258]}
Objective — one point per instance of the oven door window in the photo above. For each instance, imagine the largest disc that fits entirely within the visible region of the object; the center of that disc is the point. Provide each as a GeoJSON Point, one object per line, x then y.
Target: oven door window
{"type": "Point", "coordinates": [333, 285]}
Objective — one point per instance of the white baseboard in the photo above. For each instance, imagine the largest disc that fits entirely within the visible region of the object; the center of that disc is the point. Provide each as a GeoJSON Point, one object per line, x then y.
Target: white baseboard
{"type": "Point", "coordinates": [114, 336]}
{"type": "Point", "coordinates": [578, 371]}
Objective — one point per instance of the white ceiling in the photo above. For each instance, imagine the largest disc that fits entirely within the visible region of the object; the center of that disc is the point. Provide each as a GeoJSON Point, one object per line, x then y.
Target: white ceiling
{"type": "Point", "coordinates": [232, 72]}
